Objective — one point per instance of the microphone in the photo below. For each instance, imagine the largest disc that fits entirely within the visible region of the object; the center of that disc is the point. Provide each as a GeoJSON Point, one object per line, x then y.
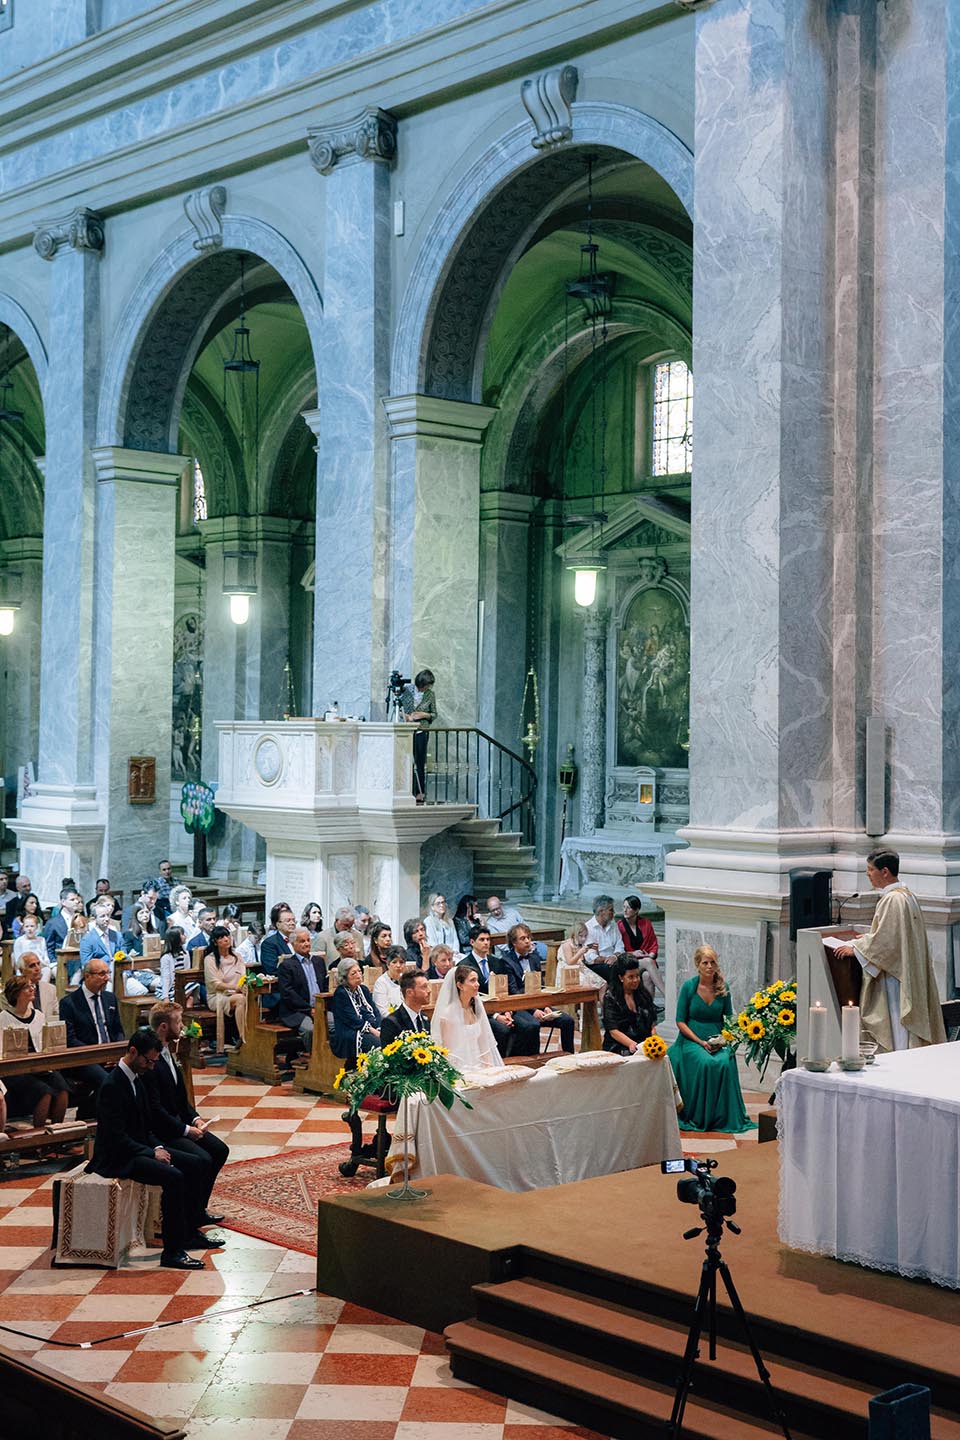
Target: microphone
{"type": "Point", "coordinates": [854, 896]}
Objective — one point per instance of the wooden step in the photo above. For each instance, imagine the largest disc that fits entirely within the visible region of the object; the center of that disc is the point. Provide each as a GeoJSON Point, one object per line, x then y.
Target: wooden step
{"type": "Point", "coordinates": [619, 1405]}
{"type": "Point", "coordinates": [652, 1348]}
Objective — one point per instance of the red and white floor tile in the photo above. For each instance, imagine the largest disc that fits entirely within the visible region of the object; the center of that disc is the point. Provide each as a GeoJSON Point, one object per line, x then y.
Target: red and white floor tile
{"type": "Point", "coordinates": [305, 1367]}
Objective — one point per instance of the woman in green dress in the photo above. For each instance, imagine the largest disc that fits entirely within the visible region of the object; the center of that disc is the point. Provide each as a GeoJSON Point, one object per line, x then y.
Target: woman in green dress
{"type": "Point", "coordinates": [705, 1068]}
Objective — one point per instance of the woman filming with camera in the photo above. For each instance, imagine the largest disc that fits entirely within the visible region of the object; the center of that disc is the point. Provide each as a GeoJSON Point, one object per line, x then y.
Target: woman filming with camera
{"type": "Point", "coordinates": [422, 713]}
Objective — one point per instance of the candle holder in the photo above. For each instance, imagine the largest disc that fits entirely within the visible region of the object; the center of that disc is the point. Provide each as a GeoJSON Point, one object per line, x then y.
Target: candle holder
{"type": "Point", "coordinates": [854, 1064]}
{"type": "Point", "coordinates": [818, 1066]}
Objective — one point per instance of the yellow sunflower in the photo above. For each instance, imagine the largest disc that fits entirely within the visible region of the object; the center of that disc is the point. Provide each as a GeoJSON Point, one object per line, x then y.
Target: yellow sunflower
{"type": "Point", "coordinates": [421, 1056]}
{"type": "Point", "coordinates": [392, 1048]}
{"type": "Point", "coordinates": [788, 997]}
{"type": "Point", "coordinates": [338, 1077]}
{"type": "Point", "coordinates": [756, 1030]}
{"type": "Point", "coordinates": [361, 1061]}
{"type": "Point", "coordinates": [760, 1002]}
{"type": "Point", "coordinates": [654, 1048]}
{"type": "Point", "coordinates": [777, 985]}
{"type": "Point", "coordinates": [785, 1017]}
{"type": "Point", "coordinates": [743, 1020]}
{"type": "Point", "coordinates": [727, 1035]}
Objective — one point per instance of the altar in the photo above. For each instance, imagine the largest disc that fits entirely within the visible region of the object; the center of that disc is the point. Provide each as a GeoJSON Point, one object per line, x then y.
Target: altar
{"type": "Point", "coordinates": [869, 1163]}
{"type": "Point", "coordinates": [556, 1127]}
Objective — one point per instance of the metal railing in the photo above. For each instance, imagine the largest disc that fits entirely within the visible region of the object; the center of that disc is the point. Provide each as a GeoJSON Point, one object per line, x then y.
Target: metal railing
{"type": "Point", "coordinates": [465, 766]}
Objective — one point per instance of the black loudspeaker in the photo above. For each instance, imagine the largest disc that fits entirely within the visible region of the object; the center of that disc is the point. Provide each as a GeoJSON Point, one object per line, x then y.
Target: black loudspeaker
{"type": "Point", "coordinates": [811, 899]}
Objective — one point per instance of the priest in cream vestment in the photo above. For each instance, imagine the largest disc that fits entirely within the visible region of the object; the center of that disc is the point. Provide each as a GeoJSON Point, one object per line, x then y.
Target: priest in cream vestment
{"type": "Point", "coordinates": [899, 1002]}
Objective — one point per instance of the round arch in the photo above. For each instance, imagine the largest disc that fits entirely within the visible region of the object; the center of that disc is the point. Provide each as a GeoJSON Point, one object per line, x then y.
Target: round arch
{"type": "Point", "coordinates": [158, 334]}
{"type": "Point", "coordinates": [448, 295]}
{"type": "Point", "coordinates": [16, 319]}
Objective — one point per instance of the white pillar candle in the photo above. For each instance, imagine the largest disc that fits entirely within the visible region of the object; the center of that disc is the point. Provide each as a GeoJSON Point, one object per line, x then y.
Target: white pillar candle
{"type": "Point", "coordinates": [817, 1036]}
{"type": "Point", "coordinates": [850, 1034]}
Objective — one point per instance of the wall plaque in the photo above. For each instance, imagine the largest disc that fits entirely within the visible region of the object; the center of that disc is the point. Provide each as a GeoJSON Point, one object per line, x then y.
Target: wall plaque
{"type": "Point", "coordinates": [142, 779]}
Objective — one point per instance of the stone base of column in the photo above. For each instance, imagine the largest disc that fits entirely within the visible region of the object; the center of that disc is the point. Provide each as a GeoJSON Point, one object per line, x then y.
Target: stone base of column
{"type": "Point", "coordinates": [60, 833]}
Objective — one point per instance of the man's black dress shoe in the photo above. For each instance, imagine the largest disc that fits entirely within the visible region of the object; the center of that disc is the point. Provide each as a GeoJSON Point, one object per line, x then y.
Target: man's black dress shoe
{"type": "Point", "coordinates": [179, 1260]}
{"type": "Point", "coordinates": [209, 1219]}
{"type": "Point", "coordinates": [203, 1242]}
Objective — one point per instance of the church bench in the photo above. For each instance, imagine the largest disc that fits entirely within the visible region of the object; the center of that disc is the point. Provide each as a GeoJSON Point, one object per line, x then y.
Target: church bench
{"type": "Point", "coordinates": [6, 965]}
{"type": "Point", "coordinates": [257, 1056]}
{"type": "Point", "coordinates": [318, 1075]}
{"type": "Point", "coordinates": [134, 1009]}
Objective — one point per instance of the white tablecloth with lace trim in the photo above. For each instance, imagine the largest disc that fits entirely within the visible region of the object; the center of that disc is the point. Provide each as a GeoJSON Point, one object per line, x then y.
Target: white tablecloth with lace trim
{"type": "Point", "coordinates": [870, 1163]}
{"type": "Point", "coordinates": [550, 1129]}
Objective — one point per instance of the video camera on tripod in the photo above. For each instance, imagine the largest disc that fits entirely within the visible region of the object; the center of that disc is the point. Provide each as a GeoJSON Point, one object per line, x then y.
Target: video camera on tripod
{"type": "Point", "coordinates": [715, 1197]}
{"type": "Point", "coordinates": [398, 694]}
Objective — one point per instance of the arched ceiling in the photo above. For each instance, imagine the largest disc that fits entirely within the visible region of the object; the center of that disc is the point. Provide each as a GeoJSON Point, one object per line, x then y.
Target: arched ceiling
{"type": "Point", "coordinates": [21, 485]}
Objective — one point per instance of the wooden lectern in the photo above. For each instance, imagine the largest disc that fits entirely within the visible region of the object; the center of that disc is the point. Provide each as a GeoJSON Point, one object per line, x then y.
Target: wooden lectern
{"type": "Point", "coordinates": [826, 979]}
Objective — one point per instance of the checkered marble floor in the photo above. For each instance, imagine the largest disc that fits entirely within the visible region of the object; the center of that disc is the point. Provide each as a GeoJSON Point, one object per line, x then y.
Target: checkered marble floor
{"type": "Point", "coordinates": [308, 1367]}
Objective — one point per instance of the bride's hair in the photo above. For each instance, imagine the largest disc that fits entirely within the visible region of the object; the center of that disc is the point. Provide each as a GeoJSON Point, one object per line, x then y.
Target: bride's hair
{"type": "Point", "coordinates": [462, 973]}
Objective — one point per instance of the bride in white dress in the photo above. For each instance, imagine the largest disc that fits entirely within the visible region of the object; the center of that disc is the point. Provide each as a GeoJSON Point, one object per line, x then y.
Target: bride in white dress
{"type": "Point", "coordinates": [460, 1022]}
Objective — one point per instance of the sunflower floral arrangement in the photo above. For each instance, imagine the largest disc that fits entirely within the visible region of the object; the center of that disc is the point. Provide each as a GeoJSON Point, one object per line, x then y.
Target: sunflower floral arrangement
{"type": "Point", "coordinates": [654, 1048]}
{"type": "Point", "coordinates": [413, 1064]}
{"type": "Point", "coordinates": [767, 1024]}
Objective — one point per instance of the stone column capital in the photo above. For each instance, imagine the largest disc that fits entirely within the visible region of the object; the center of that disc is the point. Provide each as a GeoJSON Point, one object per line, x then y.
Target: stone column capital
{"type": "Point", "coordinates": [82, 229]}
{"type": "Point", "coordinates": [371, 135]}
{"type": "Point", "coordinates": [596, 618]}
{"type": "Point", "coordinates": [144, 467]}
{"type": "Point", "coordinates": [509, 505]}
{"type": "Point", "coordinates": [410, 415]}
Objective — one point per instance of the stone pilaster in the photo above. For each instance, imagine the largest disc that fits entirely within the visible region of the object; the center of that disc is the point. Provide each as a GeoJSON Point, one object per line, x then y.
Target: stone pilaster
{"type": "Point", "coordinates": [505, 569]}
{"type": "Point", "coordinates": [20, 658]}
{"type": "Point", "coordinates": [436, 522]}
{"type": "Point", "coordinates": [352, 540]}
{"type": "Point", "coordinates": [593, 736]}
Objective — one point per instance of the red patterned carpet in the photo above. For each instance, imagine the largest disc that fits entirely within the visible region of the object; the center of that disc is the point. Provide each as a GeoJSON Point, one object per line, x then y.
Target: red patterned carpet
{"type": "Point", "coordinates": [275, 1198]}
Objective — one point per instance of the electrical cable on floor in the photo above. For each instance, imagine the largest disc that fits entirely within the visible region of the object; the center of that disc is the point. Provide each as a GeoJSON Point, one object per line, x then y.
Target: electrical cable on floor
{"type": "Point", "coordinates": [157, 1325]}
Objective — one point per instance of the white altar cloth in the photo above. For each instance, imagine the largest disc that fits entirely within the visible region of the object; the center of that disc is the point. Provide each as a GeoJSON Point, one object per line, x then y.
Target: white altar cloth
{"type": "Point", "coordinates": [870, 1163]}
{"type": "Point", "coordinates": [553, 1128]}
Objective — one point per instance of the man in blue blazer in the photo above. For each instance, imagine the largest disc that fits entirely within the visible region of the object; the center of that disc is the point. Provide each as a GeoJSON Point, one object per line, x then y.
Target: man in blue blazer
{"type": "Point", "coordinates": [101, 939]}
{"type": "Point", "coordinates": [522, 955]}
{"type": "Point", "coordinates": [92, 1017]}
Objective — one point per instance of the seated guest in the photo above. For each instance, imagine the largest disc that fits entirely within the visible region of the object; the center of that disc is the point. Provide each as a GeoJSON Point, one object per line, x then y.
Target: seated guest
{"type": "Point", "coordinates": [386, 988]}
{"type": "Point", "coordinates": [29, 941]}
{"type": "Point", "coordinates": [301, 977]}
{"type": "Point", "coordinates": [344, 921]}
{"type": "Point", "coordinates": [43, 1095]}
{"type": "Point", "coordinates": [356, 1020]}
{"type": "Point", "coordinates": [704, 1067]}
{"type": "Point", "coordinates": [249, 950]}
{"type": "Point", "coordinates": [460, 1022]}
{"type": "Point", "coordinates": [230, 916]}
{"type": "Point", "coordinates": [142, 922]}
{"type": "Point", "coordinates": [276, 946]}
{"type": "Point", "coordinates": [9, 903]}
{"type": "Point", "coordinates": [147, 898]}
{"type": "Point", "coordinates": [572, 954]}
{"type": "Point", "coordinates": [639, 938]}
{"type": "Point", "coordinates": [126, 1148]}
{"type": "Point", "coordinates": [603, 937]}
{"type": "Point", "coordinates": [101, 939]}
{"type": "Point", "coordinates": [223, 970]}
{"type": "Point", "coordinates": [465, 917]}
{"type": "Point", "coordinates": [164, 884]}
{"type": "Point", "coordinates": [206, 919]}
{"type": "Point", "coordinates": [92, 1017]}
{"type": "Point", "coordinates": [437, 923]}
{"type": "Point", "coordinates": [406, 1018]}
{"type": "Point", "coordinates": [45, 994]}
{"type": "Point", "coordinates": [29, 905]}
{"type": "Point", "coordinates": [381, 942]}
{"type": "Point", "coordinates": [628, 1014]}
{"type": "Point", "coordinates": [501, 918]}
{"type": "Point", "coordinates": [503, 1025]}
{"type": "Point", "coordinates": [58, 926]}
{"type": "Point", "coordinates": [418, 946]}
{"type": "Point", "coordinates": [521, 956]}
{"type": "Point", "coordinates": [103, 893]}
{"type": "Point", "coordinates": [312, 920]}
{"type": "Point", "coordinates": [180, 901]}
{"type": "Point", "coordinates": [175, 1121]}
{"type": "Point", "coordinates": [174, 958]}
{"type": "Point", "coordinates": [364, 922]}
{"type": "Point", "coordinates": [441, 960]}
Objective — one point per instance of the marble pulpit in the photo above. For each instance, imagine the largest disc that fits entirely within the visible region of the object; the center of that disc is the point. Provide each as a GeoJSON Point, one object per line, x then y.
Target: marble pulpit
{"type": "Point", "coordinates": [334, 803]}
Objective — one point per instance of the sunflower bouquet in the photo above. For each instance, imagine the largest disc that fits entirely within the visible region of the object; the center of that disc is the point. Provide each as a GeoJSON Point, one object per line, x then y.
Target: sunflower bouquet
{"type": "Point", "coordinates": [413, 1064]}
{"type": "Point", "coordinates": [766, 1024]}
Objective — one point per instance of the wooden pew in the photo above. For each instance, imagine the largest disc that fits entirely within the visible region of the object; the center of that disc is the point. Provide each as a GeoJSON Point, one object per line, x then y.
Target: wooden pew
{"type": "Point", "coordinates": [257, 1056]}
{"type": "Point", "coordinates": [552, 937]}
{"type": "Point", "coordinates": [134, 1009]}
{"type": "Point", "coordinates": [318, 1074]}
{"type": "Point", "coordinates": [6, 966]}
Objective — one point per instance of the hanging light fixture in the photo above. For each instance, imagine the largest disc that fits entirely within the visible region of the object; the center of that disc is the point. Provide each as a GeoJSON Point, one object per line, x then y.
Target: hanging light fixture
{"type": "Point", "coordinates": [240, 565]}
{"type": "Point", "coordinates": [593, 290]}
{"type": "Point", "coordinates": [12, 421]}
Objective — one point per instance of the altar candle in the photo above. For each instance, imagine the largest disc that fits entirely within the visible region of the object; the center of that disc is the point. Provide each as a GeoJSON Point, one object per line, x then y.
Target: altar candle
{"type": "Point", "coordinates": [850, 1035]}
{"type": "Point", "coordinates": [817, 1037]}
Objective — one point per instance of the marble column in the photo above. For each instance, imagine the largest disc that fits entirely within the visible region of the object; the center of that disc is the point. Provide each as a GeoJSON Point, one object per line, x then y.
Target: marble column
{"type": "Point", "coordinates": [243, 665]}
{"type": "Point", "coordinates": [61, 829]}
{"type": "Point", "coordinates": [436, 488]}
{"type": "Point", "coordinates": [350, 660]}
{"type": "Point", "coordinates": [20, 659]}
{"type": "Point", "coordinates": [136, 509]}
{"type": "Point", "coordinates": [505, 571]}
{"type": "Point", "coordinates": [593, 732]}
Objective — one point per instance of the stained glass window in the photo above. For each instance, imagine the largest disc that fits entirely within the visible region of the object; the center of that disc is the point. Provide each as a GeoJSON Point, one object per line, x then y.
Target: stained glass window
{"type": "Point", "coordinates": [672, 418]}
{"type": "Point", "coordinates": [199, 494]}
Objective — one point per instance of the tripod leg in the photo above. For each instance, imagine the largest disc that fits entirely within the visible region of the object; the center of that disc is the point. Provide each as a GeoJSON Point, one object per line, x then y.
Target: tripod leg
{"type": "Point", "coordinates": [762, 1370]}
{"type": "Point", "coordinates": [713, 1312]}
{"type": "Point", "coordinates": [691, 1352]}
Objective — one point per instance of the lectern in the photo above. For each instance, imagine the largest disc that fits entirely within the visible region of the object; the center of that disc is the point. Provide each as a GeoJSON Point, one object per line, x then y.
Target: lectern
{"type": "Point", "coordinates": [826, 979]}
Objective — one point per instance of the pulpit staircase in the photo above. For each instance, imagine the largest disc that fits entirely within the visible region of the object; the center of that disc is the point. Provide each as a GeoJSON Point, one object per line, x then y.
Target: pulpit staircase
{"type": "Point", "coordinates": [604, 1351]}
{"type": "Point", "coordinates": [465, 766]}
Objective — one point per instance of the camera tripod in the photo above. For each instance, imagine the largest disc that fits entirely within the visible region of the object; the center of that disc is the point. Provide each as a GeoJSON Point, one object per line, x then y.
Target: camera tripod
{"type": "Point", "coordinates": [705, 1308]}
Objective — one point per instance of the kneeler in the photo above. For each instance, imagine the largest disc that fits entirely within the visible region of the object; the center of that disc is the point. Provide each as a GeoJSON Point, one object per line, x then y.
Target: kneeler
{"type": "Point", "coordinates": [376, 1154]}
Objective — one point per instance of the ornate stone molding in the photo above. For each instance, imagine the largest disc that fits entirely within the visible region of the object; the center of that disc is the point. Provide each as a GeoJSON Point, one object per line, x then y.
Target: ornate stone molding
{"type": "Point", "coordinates": [371, 135]}
{"type": "Point", "coordinates": [547, 99]}
{"type": "Point", "coordinates": [204, 209]}
{"type": "Point", "coordinates": [82, 229]}
{"type": "Point", "coordinates": [409, 415]}
{"type": "Point", "coordinates": [693, 4]}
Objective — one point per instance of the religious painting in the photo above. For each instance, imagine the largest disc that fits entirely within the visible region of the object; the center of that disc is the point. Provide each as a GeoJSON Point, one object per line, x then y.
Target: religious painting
{"type": "Point", "coordinates": [142, 779]}
{"type": "Point", "coordinates": [187, 697]}
{"type": "Point", "coordinates": [653, 681]}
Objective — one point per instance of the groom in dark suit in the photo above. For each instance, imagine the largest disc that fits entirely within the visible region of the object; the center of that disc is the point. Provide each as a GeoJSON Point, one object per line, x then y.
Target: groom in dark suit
{"type": "Point", "coordinates": [504, 1027]}
{"type": "Point", "coordinates": [126, 1148]}
{"type": "Point", "coordinates": [174, 1119]}
{"type": "Point", "coordinates": [522, 955]}
{"type": "Point", "coordinates": [407, 1019]}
